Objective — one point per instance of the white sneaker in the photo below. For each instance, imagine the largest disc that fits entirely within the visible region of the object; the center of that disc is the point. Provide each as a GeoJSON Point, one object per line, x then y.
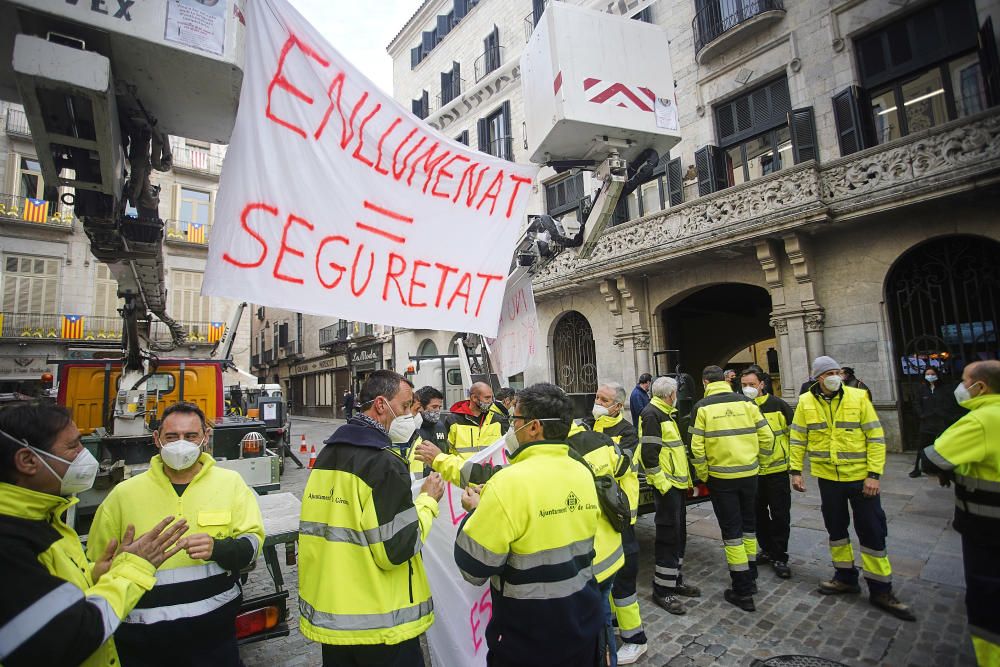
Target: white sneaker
{"type": "Point", "coordinates": [629, 653]}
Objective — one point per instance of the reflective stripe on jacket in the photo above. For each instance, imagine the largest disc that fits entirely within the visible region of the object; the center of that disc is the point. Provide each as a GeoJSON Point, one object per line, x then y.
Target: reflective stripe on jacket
{"type": "Point", "coordinates": [664, 457]}
{"type": "Point", "coordinates": [779, 417]}
{"type": "Point", "coordinates": [842, 437]}
{"type": "Point", "coordinates": [728, 434]}
{"type": "Point", "coordinates": [467, 434]}
{"type": "Point", "coordinates": [361, 573]}
{"type": "Point", "coordinates": [532, 536]}
{"type": "Point", "coordinates": [51, 611]}
{"type": "Point", "coordinates": [627, 439]}
{"type": "Point", "coordinates": [971, 448]}
{"type": "Point", "coordinates": [193, 600]}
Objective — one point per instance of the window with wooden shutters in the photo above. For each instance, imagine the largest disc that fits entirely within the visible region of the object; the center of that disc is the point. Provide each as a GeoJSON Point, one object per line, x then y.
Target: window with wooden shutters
{"type": "Point", "coordinates": [30, 284]}
{"type": "Point", "coordinates": [463, 138]}
{"type": "Point", "coordinates": [850, 119]}
{"type": "Point", "coordinates": [492, 56]}
{"type": "Point", "coordinates": [802, 124]}
{"type": "Point", "coordinates": [675, 182]}
{"type": "Point", "coordinates": [416, 55]}
{"type": "Point", "coordinates": [421, 106]}
{"type": "Point", "coordinates": [564, 195]}
{"type": "Point", "coordinates": [495, 135]}
{"type": "Point", "coordinates": [186, 302]}
{"type": "Point", "coordinates": [451, 83]}
{"type": "Point", "coordinates": [708, 164]}
{"type": "Point", "coordinates": [753, 113]}
{"type": "Point", "coordinates": [443, 26]}
{"type": "Point", "coordinates": [106, 301]}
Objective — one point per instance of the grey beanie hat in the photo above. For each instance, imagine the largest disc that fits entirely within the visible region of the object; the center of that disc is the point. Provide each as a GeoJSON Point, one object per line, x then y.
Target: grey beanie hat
{"type": "Point", "coordinates": [822, 365]}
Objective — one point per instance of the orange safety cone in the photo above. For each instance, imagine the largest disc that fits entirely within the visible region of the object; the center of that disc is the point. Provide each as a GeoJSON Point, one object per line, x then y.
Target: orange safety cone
{"type": "Point", "coordinates": [302, 445]}
{"type": "Point", "coordinates": [312, 458]}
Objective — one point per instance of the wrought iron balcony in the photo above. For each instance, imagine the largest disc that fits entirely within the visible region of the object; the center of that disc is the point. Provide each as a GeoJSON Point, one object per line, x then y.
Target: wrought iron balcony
{"type": "Point", "coordinates": [720, 22]}
{"type": "Point", "coordinates": [194, 159]}
{"type": "Point", "coordinates": [41, 327]}
{"type": "Point", "coordinates": [915, 169]}
{"type": "Point", "coordinates": [489, 61]}
{"type": "Point", "coordinates": [334, 334]}
{"type": "Point", "coordinates": [17, 124]}
{"type": "Point", "coordinates": [39, 212]}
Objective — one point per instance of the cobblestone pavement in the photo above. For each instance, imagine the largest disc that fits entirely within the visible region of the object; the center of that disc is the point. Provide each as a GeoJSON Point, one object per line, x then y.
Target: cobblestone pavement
{"type": "Point", "coordinates": [791, 617]}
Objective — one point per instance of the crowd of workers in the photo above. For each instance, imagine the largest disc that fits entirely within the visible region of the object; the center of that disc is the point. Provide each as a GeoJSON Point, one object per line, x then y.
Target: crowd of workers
{"type": "Point", "coordinates": [552, 531]}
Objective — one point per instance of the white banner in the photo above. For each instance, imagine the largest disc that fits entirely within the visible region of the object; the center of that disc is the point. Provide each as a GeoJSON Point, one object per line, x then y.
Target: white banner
{"type": "Point", "coordinates": [517, 337]}
{"type": "Point", "coordinates": [335, 200]}
{"type": "Point", "coordinates": [461, 610]}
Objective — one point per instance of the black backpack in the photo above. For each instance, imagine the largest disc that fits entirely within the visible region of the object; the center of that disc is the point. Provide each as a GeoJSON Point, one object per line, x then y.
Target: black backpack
{"type": "Point", "coordinates": [611, 498]}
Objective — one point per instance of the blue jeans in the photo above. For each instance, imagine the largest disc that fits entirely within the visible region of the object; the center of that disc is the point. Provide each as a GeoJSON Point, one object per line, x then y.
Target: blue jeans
{"type": "Point", "coordinates": [609, 629]}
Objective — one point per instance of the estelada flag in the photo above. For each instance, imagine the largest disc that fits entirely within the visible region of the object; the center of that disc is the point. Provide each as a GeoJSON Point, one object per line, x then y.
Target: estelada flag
{"type": "Point", "coordinates": [72, 326]}
{"type": "Point", "coordinates": [195, 232]}
{"type": "Point", "coordinates": [35, 210]}
{"type": "Point", "coordinates": [215, 331]}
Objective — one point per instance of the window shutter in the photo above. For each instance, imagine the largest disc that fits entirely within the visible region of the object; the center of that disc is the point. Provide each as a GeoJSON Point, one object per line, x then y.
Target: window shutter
{"type": "Point", "coordinates": [414, 56]}
{"type": "Point", "coordinates": [443, 26]}
{"type": "Point", "coordinates": [537, 8]}
{"type": "Point", "coordinates": [675, 182]}
{"type": "Point", "coordinates": [425, 105]}
{"type": "Point", "coordinates": [283, 335]}
{"type": "Point", "coordinates": [483, 135]}
{"type": "Point", "coordinates": [461, 9]}
{"type": "Point", "coordinates": [456, 79]}
{"type": "Point", "coordinates": [855, 130]}
{"type": "Point", "coordinates": [415, 108]}
{"type": "Point", "coordinates": [508, 142]}
{"type": "Point", "coordinates": [463, 138]}
{"type": "Point", "coordinates": [707, 163]}
{"type": "Point", "coordinates": [802, 126]}
{"type": "Point", "coordinates": [989, 63]}
{"type": "Point", "coordinates": [445, 87]}
{"type": "Point", "coordinates": [427, 41]}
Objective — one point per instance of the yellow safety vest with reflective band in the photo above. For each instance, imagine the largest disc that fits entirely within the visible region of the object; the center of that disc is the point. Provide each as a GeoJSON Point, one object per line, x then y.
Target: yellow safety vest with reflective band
{"type": "Point", "coordinates": [532, 536]}
{"type": "Point", "coordinates": [51, 611]}
{"type": "Point", "coordinates": [361, 573]}
{"type": "Point", "coordinates": [625, 436]}
{"type": "Point", "coordinates": [189, 594]}
{"type": "Point", "coordinates": [728, 434]}
{"type": "Point", "coordinates": [842, 438]}
{"type": "Point", "coordinates": [971, 448]}
{"type": "Point", "coordinates": [466, 436]}
{"type": "Point", "coordinates": [778, 415]}
{"type": "Point", "coordinates": [664, 457]}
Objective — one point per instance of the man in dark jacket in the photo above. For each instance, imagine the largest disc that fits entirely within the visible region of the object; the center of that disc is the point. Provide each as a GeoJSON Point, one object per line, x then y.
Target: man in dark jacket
{"type": "Point", "coordinates": [937, 410]}
{"type": "Point", "coordinates": [852, 380]}
{"type": "Point", "coordinates": [348, 404]}
{"type": "Point", "coordinates": [639, 399]}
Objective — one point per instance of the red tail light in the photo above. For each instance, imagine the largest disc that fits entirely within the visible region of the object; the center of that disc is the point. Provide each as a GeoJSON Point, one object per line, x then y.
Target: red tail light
{"type": "Point", "coordinates": [258, 620]}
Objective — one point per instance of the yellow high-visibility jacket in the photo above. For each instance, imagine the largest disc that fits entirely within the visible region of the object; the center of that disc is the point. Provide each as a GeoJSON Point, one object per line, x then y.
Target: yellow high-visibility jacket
{"type": "Point", "coordinates": [627, 439]}
{"type": "Point", "coordinates": [779, 417]}
{"type": "Point", "coordinates": [604, 458]}
{"type": "Point", "coordinates": [727, 434]}
{"type": "Point", "coordinates": [467, 434]}
{"type": "Point", "coordinates": [664, 457]}
{"type": "Point", "coordinates": [51, 610]}
{"type": "Point", "coordinates": [842, 437]}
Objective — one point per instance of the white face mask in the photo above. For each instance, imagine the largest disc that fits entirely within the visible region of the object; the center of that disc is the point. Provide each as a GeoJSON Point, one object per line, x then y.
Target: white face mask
{"type": "Point", "coordinates": [80, 475]}
{"type": "Point", "coordinates": [833, 382]}
{"type": "Point", "coordinates": [600, 411]}
{"type": "Point", "coordinates": [180, 454]}
{"type": "Point", "coordinates": [418, 421]}
{"type": "Point", "coordinates": [510, 439]}
{"type": "Point", "coordinates": [401, 428]}
{"type": "Point", "coordinates": [751, 392]}
{"type": "Point", "coordinates": [962, 394]}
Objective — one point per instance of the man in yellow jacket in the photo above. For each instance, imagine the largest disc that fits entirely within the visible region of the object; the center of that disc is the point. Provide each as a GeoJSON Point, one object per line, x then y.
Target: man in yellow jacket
{"type": "Point", "coordinates": [58, 607]}
{"type": "Point", "coordinates": [728, 434]}
{"type": "Point", "coordinates": [837, 428]}
{"type": "Point", "coordinates": [530, 532]}
{"type": "Point", "coordinates": [969, 453]}
{"type": "Point", "coordinates": [363, 591]}
{"type": "Point", "coordinates": [190, 615]}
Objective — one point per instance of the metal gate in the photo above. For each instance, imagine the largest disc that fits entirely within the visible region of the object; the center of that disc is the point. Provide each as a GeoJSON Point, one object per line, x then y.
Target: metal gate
{"type": "Point", "coordinates": [575, 354]}
{"type": "Point", "coordinates": [943, 299]}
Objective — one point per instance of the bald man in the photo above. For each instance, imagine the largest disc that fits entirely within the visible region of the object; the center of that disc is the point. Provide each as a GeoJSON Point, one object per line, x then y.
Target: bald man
{"type": "Point", "coordinates": [472, 425]}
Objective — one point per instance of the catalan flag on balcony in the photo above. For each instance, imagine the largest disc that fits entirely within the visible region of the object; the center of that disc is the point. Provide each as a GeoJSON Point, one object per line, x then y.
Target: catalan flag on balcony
{"type": "Point", "coordinates": [215, 331]}
{"type": "Point", "coordinates": [195, 232]}
{"type": "Point", "coordinates": [72, 326]}
{"type": "Point", "coordinates": [35, 210]}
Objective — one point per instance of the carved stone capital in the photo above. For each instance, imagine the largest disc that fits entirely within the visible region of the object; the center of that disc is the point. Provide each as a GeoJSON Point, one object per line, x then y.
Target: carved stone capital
{"type": "Point", "coordinates": [619, 342]}
{"type": "Point", "coordinates": [780, 326]}
{"type": "Point", "coordinates": [814, 321]}
{"type": "Point", "coordinates": [641, 341]}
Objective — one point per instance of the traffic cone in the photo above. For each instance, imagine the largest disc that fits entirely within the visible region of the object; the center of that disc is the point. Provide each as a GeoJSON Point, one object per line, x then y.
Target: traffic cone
{"type": "Point", "coordinates": [312, 458]}
{"type": "Point", "coordinates": [302, 445]}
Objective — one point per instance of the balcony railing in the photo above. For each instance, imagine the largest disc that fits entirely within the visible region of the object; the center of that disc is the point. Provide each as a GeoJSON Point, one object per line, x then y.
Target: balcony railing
{"type": "Point", "coordinates": [48, 326]}
{"type": "Point", "coordinates": [200, 160]}
{"type": "Point", "coordinates": [502, 148]}
{"type": "Point", "coordinates": [490, 60]}
{"type": "Point", "coordinates": [35, 211]}
{"type": "Point", "coordinates": [333, 334]}
{"type": "Point", "coordinates": [180, 231]}
{"type": "Point", "coordinates": [17, 123]}
{"type": "Point", "coordinates": [449, 93]}
{"type": "Point", "coordinates": [719, 17]}
{"type": "Point", "coordinates": [292, 349]}
{"type": "Point", "coordinates": [529, 26]}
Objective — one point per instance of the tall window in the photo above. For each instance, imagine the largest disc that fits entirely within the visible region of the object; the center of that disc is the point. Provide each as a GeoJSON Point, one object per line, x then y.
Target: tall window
{"type": "Point", "coordinates": [30, 284]}
{"type": "Point", "coordinates": [106, 301]}
{"type": "Point", "coordinates": [186, 302]}
{"type": "Point", "coordinates": [30, 179]}
{"type": "Point", "coordinates": [575, 354]}
{"type": "Point", "coordinates": [195, 206]}
{"type": "Point", "coordinates": [451, 83]}
{"type": "Point", "coordinates": [492, 56]}
{"type": "Point", "coordinates": [495, 136]}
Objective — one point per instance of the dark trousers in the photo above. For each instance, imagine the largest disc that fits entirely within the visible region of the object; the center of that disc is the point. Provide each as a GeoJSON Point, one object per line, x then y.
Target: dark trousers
{"type": "Point", "coordinates": [671, 539]}
{"type": "Point", "coordinates": [404, 654]}
{"type": "Point", "coordinates": [223, 654]}
{"type": "Point", "coordinates": [735, 505]}
{"type": "Point", "coordinates": [774, 515]}
{"type": "Point", "coordinates": [924, 440]}
{"type": "Point", "coordinates": [982, 591]}
{"type": "Point", "coordinates": [589, 656]}
{"type": "Point", "coordinates": [840, 500]}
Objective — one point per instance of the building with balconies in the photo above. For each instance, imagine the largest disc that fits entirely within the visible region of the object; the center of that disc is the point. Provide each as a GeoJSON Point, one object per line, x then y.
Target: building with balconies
{"type": "Point", "coordinates": [835, 192]}
{"type": "Point", "coordinates": [59, 302]}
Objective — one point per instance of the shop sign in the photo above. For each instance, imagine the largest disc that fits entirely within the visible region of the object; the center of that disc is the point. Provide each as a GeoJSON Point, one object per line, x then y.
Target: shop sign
{"type": "Point", "coordinates": [366, 355]}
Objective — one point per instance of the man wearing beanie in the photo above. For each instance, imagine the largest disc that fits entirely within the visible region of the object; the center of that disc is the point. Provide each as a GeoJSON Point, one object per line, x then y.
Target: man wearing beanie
{"type": "Point", "coordinates": [836, 427]}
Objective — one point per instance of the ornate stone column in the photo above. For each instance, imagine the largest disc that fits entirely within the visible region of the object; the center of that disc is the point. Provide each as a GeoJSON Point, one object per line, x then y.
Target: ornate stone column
{"type": "Point", "coordinates": [780, 325]}
{"type": "Point", "coordinates": [813, 322]}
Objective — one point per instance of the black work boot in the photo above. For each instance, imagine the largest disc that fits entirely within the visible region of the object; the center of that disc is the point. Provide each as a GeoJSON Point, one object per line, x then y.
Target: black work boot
{"type": "Point", "coordinates": [781, 569]}
{"type": "Point", "coordinates": [670, 604]}
{"type": "Point", "coordinates": [687, 590]}
{"type": "Point", "coordinates": [744, 602]}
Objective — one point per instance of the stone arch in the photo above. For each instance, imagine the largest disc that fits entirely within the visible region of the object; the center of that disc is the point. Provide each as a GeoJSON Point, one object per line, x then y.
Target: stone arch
{"type": "Point", "coordinates": [427, 348]}
{"type": "Point", "coordinates": [574, 353]}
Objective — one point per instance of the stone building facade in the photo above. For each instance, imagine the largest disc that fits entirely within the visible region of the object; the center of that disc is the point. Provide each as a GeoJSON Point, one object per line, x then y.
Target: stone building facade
{"type": "Point", "coordinates": [835, 192]}
{"type": "Point", "coordinates": [59, 302]}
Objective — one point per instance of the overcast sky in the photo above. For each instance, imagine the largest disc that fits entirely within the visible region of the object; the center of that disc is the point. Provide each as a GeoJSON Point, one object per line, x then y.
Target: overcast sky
{"type": "Point", "coordinates": [360, 31]}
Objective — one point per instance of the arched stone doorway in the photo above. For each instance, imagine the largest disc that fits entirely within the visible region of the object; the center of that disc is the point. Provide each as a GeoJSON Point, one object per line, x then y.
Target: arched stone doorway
{"type": "Point", "coordinates": [427, 348]}
{"type": "Point", "coordinates": [943, 304]}
{"type": "Point", "coordinates": [575, 355]}
{"type": "Point", "coordinates": [715, 325]}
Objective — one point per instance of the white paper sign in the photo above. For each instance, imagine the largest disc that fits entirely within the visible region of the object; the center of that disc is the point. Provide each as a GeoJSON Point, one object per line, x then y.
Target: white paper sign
{"type": "Point", "coordinates": [517, 338]}
{"type": "Point", "coordinates": [335, 200]}
{"type": "Point", "coordinates": [461, 610]}
{"type": "Point", "coordinates": [197, 23]}
{"type": "Point", "coordinates": [270, 411]}
{"type": "Point", "coordinates": [666, 114]}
